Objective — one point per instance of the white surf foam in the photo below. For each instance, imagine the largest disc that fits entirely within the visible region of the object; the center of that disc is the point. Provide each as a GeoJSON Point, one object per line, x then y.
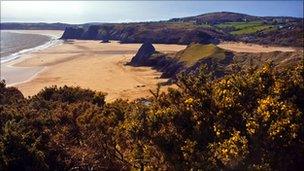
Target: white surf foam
{"type": "Point", "coordinates": [53, 42]}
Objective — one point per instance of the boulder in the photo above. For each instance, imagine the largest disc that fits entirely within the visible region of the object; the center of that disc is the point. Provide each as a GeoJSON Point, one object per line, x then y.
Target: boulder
{"type": "Point", "coordinates": [105, 41]}
{"type": "Point", "coordinates": [143, 54]}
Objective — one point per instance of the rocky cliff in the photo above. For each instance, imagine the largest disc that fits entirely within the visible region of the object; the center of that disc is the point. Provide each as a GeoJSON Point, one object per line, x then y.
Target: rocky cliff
{"type": "Point", "coordinates": [72, 33]}
{"type": "Point", "coordinates": [139, 33]}
{"type": "Point", "coordinates": [143, 54]}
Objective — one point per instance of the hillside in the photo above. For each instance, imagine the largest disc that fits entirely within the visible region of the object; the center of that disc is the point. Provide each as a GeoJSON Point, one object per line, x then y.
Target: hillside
{"type": "Point", "coordinates": [195, 52]}
{"type": "Point", "coordinates": [205, 28]}
{"type": "Point", "coordinates": [217, 18]}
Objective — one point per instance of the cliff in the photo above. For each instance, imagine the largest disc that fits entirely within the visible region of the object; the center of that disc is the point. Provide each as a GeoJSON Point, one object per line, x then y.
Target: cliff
{"type": "Point", "coordinates": [139, 33]}
{"type": "Point", "coordinates": [72, 33]}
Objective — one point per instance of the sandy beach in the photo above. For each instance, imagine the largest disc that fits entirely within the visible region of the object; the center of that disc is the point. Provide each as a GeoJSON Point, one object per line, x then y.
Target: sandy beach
{"type": "Point", "coordinates": [252, 48]}
{"type": "Point", "coordinates": [94, 65]}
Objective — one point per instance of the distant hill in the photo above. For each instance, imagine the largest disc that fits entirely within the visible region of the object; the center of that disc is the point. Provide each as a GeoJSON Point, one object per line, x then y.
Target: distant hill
{"type": "Point", "coordinates": [222, 17]}
{"type": "Point", "coordinates": [205, 28]}
{"type": "Point", "coordinates": [35, 26]}
{"type": "Point", "coordinates": [216, 18]}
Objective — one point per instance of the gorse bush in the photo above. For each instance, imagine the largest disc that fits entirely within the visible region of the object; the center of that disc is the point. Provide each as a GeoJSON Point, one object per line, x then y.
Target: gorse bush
{"type": "Point", "coordinates": [252, 120]}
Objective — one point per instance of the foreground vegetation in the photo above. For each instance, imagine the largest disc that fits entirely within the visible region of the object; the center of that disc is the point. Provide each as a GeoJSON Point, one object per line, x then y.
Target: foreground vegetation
{"type": "Point", "coordinates": [252, 120]}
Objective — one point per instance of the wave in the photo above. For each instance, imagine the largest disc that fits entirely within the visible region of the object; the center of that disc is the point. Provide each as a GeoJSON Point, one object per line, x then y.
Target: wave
{"type": "Point", "coordinates": [53, 42]}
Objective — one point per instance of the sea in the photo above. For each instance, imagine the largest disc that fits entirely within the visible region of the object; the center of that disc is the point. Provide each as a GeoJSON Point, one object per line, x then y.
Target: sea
{"type": "Point", "coordinates": [14, 45]}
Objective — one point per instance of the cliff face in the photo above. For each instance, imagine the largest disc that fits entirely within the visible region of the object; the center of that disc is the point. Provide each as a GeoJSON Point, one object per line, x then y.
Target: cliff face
{"type": "Point", "coordinates": [92, 33]}
{"type": "Point", "coordinates": [139, 33]}
{"type": "Point", "coordinates": [72, 33]}
{"type": "Point", "coordinates": [164, 34]}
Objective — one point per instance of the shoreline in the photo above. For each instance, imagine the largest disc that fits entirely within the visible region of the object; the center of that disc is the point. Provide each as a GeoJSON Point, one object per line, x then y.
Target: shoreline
{"type": "Point", "coordinates": [54, 40]}
{"type": "Point", "coordinates": [28, 79]}
{"type": "Point", "coordinates": [8, 68]}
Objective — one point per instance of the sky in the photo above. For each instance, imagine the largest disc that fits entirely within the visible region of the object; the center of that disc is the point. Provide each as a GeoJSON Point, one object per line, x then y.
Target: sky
{"type": "Point", "coordinates": [77, 12]}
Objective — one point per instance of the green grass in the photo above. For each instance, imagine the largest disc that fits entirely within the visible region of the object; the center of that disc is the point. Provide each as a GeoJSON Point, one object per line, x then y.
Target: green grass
{"type": "Point", "coordinates": [195, 52]}
{"type": "Point", "coordinates": [250, 30]}
{"type": "Point", "coordinates": [239, 28]}
{"type": "Point", "coordinates": [239, 25]}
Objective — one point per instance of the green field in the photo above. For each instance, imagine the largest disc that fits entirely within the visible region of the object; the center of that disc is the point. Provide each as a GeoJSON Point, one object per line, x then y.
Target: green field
{"type": "Point", "coordinates": [253, 29]}
{"type": "Point", "coordinates": [239, 28]}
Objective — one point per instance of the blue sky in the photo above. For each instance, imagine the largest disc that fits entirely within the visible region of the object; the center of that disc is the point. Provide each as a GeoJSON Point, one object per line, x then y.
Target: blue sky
{"type": "Point", "coordinates": [133, 11]}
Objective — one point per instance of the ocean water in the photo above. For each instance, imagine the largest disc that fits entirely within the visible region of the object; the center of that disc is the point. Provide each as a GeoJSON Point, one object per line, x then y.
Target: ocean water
{"type": "Point", "coordinates": [16, 44]}
{"type": "Point", "coordinates": [13, 45]}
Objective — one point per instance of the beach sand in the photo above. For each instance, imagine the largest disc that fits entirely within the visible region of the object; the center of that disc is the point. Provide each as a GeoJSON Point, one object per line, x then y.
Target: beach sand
{"type": "Point", "coordinates": [94, 65]}
{"type": "Point", "coordinates": [252, 48]}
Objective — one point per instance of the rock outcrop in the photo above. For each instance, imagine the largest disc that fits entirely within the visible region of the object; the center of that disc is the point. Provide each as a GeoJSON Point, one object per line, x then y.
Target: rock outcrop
{"type": "Point", "coordinates": [72, 33]}
{"type": "Point", "coordinates": [139, 33]}
{"type": "Point", "coordinates": [217, 61]}
{"type": "Point", "coordinates": [143, 54]}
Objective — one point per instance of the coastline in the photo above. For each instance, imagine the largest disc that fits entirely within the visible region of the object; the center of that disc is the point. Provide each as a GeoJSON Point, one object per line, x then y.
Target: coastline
{"type": "Point", "coordinates": [17, 75]}
{"type": "Point", "coordinates": [100, 67]}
